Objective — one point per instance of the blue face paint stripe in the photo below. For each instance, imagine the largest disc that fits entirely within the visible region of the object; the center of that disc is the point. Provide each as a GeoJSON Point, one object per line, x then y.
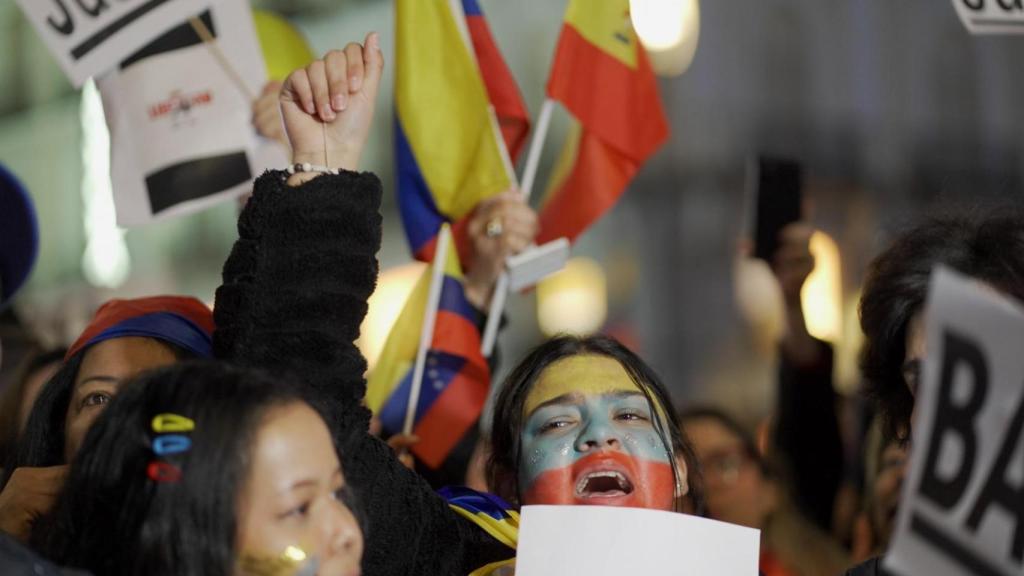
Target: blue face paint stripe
{"type": "Point", "coordinates": [595, 418]}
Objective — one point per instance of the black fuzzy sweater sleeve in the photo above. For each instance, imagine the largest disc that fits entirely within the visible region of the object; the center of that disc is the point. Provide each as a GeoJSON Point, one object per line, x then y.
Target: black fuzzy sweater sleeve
{"type": "Point", "coordinates": [294, 293]}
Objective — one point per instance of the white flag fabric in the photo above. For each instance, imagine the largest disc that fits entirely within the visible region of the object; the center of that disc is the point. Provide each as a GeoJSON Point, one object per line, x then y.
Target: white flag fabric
{"type": "Point", "coordinates": [180, 130]}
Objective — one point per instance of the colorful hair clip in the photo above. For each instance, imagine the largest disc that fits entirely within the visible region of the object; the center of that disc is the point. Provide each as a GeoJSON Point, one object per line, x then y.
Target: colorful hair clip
{"type": "Point", "coordinates": [163, 472]}
{"type": "Point", "coordinates": [171, 444]}
{"type": "Point", "coordinates": [172, 423]}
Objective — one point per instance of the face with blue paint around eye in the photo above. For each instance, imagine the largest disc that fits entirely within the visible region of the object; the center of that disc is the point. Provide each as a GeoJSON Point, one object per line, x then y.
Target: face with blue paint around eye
{"type": "Point", "coordinates": [589, 438]}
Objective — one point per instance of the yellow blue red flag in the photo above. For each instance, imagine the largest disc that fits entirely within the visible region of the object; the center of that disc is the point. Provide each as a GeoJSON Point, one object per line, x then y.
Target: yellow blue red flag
{"type": "Point", "coordinates": [456, 377]}
{"type": "Point", "coordinates": [459, 114]}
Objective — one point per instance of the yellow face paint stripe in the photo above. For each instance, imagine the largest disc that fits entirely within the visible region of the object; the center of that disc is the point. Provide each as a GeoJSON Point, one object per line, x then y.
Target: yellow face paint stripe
{"type": "Point", "coordinates": [584, 374]}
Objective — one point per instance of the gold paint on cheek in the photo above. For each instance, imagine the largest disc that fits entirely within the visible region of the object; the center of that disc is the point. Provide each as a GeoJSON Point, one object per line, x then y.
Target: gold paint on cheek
{"type": "Point", "coordinates": [289, 563]}
{"type": "Point", "coordinates": [585, 375]}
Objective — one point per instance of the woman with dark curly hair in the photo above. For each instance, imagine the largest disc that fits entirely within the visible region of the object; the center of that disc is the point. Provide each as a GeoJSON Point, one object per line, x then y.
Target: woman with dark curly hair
{"type": "Point", "coordinates": [990, 250]}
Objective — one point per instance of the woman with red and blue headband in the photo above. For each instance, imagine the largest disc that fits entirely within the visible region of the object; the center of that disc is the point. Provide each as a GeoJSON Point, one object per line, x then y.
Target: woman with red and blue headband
{"type": "Point", "coordinates": [125, 338]}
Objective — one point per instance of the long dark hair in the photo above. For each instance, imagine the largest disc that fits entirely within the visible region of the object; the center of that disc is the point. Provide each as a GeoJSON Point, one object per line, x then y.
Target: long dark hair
{"type": "Point", "coordinates": [113, 519]}
{"type": "Point", "coordinates": [42, 442]}
{"type": "Point", "coordinates": [506, 430]}
{"type": "Point", "coordinates": [990, 249]}
{"type": "Point", "coordinates": [12, 397]}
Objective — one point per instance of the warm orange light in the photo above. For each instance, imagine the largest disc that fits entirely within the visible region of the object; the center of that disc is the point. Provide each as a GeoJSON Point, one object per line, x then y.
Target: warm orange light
{"type": "Point", "coordinates": [574, 300]}
{"type": "Point", "coordinates": [393, 288]}
{"type": "Point", "coordinates": [669, 30]}
{"type": "Point", "coordinates": [822, 294]}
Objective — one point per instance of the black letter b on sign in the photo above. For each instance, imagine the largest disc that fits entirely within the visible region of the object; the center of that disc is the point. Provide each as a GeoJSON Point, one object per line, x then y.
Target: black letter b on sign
{"type": "Point", "coordinates": [953, 419]}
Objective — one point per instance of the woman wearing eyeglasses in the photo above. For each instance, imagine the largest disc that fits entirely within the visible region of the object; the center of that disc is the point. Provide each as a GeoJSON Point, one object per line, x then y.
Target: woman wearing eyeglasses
{"type": "Point", "coordinates": [741, 487]}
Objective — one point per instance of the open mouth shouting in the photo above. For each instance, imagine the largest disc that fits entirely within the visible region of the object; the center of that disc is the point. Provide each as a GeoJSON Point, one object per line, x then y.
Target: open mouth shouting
{"type": "Point", "coordinates": [603, 484]}
{"type": "Point", "coordinates": [604, 478]}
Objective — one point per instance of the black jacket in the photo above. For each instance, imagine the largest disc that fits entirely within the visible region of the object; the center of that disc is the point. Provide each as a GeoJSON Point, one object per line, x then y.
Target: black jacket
{"type": "Point", "coordinates": [294, 293]}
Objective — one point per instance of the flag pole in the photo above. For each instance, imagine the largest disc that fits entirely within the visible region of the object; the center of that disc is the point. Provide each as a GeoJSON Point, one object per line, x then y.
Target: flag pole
{"type": "Point", "coordinates": [427, 331]}
{"type": "Point", "coordinates": [536, 146]}
{"type": "Point", "coordinates": [529, 175]}
{"type": "Point", "coordinates": [201, 30]}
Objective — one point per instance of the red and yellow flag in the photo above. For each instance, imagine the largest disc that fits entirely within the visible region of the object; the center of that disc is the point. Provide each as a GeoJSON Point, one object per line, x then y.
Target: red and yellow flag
{"type": "Point", "coordinates": [602, 76]}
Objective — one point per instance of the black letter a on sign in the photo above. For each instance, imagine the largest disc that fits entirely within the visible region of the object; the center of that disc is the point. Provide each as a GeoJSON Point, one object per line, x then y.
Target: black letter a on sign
{"type": "Point", "coordinates": [997, 491]}
{"type": "Point", "coordinates": [952, 419]}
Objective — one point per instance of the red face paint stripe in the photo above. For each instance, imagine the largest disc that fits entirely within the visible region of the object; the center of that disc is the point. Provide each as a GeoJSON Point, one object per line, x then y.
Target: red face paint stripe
{"type": "Point", "coordinates": [653, 487]}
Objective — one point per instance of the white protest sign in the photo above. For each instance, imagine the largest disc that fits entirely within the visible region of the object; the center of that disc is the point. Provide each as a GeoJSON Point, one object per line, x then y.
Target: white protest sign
{"type": "Point", "coordinates": [180, 131]}
{"type": "Point", "coordinates": [962, 508]}
{"type": "Point", "coordinates": [991, 16]}
{"type": "Point", "coordinates": [606, 541]}
{"type": "Point", "coordinates": [89, 37]}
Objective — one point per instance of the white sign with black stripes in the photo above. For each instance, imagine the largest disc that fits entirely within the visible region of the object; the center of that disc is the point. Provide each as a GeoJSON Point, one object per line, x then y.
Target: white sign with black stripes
{"type": "Point", "coordinates": [179, 111]}
{"type": "Point", "coordinates": [962, 508]}
{"type": "Point", "coordinates": [991, 16]}
{"type": "Point", "coordinates": [89, 37]}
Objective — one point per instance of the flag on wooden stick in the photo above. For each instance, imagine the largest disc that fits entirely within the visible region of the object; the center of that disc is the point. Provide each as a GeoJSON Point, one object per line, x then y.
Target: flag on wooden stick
{"type": "Point", "coordinates": [454, 377]}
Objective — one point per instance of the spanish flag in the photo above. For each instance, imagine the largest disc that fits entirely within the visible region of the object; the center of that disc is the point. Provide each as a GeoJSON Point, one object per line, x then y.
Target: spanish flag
{"type": "Point", "coordinates": [459, 114]}
{"type": "Point", "coordinates": [456, 377]}
{"type": "Point", "coordinates": [602, 76]}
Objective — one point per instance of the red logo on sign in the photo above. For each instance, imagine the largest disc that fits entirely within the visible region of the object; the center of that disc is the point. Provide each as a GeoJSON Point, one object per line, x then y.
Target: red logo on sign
{"type": "Point", "coordinates": [179, 103]}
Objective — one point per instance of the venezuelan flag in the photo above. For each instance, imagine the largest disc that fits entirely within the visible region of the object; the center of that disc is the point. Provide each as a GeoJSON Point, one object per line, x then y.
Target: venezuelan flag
{"type": "Point", "coordinates": [456, 377]}
{"type": "Point", "coordinates": [459, 112]}
{"type": "Point", "coordinates": [493, 515]}
{"type": "Point", "coordinates": [602, 76]}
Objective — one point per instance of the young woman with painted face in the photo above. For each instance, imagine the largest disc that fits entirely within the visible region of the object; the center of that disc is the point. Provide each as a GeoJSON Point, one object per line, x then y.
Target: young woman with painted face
{"type": "Point", "coordinates": [585, 421]}
{"type": "Point", "coordinates": [201, 468]}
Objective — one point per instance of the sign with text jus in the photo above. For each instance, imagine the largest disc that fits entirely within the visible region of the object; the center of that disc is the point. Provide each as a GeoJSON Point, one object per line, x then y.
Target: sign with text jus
{"type": "Point", "coordinates": [962, 510]}
{"type": "Point", "coordinates": [89, 37]}
{"type": "Point", "coordinates": [991, 16]}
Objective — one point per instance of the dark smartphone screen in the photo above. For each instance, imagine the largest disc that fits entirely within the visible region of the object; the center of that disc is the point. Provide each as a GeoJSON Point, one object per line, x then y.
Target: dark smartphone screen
{"type": "Point", "coordinates": [778, 202]}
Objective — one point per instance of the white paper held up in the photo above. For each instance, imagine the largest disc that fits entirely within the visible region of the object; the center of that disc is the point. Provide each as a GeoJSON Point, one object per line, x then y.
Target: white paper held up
{"type": "Point", "coordinates": [607, 541]}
